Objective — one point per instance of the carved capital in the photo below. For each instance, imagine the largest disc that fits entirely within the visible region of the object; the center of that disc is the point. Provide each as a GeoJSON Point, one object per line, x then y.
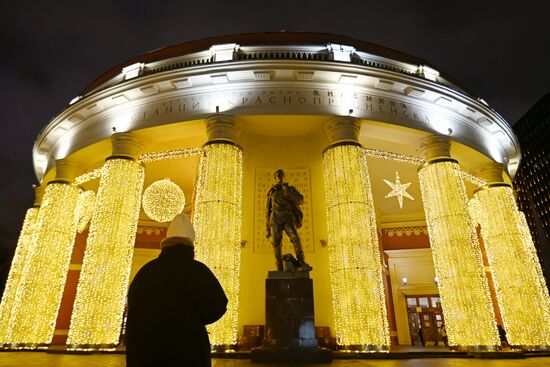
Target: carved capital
{"type": "Point", "coordinates": [38, 194]}
{"type": "Point", "coordinates": [126, 144]}
{"type": "Point", "coordinates": [434, 147]}
{"type": "Point", "coordinates": [342, 129]}
{"type": "Point", "coordinates": [222, 127]}
{"type": "Point", "coordinates": [66, 170]}
{"type": "Point", "coordinates": [491, 173]}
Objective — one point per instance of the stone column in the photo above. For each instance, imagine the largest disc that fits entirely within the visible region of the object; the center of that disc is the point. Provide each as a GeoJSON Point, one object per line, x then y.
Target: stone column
{"type": "Point", "coordinates": [520, 286]}
{"type": "Point", "coordinates": [465, 298]}
{"type": "Point", "coordinates": [218, 204]}
{"type": "Point", "coordinates": [44, 271]}
{"type": "Point", "coordinates": [99, 305]}
{"type": "Point", "coordinates": [354, 254]}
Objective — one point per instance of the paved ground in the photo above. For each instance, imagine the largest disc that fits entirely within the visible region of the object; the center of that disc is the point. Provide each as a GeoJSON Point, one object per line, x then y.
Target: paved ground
{"type": "Point", "coordinates": [41, 359]}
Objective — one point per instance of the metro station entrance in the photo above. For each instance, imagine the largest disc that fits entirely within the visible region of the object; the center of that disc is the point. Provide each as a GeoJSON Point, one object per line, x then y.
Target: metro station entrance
{"type": "Point", "coordinates": [425, 320]}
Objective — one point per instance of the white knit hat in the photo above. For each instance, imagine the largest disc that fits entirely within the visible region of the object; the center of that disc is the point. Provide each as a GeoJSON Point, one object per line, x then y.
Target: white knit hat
{"type": "Point", "coordinates": [180, 231]}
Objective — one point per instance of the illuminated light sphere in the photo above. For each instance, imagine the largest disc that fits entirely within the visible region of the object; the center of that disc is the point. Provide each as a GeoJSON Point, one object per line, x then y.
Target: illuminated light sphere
{"type": "Point", "coordinates": [85, 209]}
{"type": "Point", "coordinates": [163, 200]}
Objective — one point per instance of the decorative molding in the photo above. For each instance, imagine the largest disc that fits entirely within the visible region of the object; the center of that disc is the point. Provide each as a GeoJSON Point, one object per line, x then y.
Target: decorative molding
{"type": "Point", "coordinates": [150, 230]}
{"type": "Point", "coordinates": [186, 95]}
{"type": "Point", "coordinates": [181, 83]}
{"type": "Point", "coordinates": [304, 75]}
{"type": "Point", "coordinates": [262, 75]}
{"type": "Point", "coordinates": [384, 84]}
{"type": "Point", "coordinates": [121, 98]}
{"type": "Point", "coordinates": [224, 52]}
{"type": "Point", "coordinates": [347, 79]}
{"type": "Point", "coordinates": [150, 89]}
{"type": "Point", "coordinates": [410, 253]}
{"type": "Point", "coordinates": [407, 231]}
{"type": "Point", "coordinates": [443, 101]}
{"type": "Point", "coordinates": [414, 92]}
{"type": "Point", "coordinates": [219, 79]}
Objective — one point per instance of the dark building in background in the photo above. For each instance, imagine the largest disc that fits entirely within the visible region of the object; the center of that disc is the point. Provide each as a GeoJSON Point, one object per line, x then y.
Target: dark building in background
{"type": "Point", "coordinates": [532, 180]}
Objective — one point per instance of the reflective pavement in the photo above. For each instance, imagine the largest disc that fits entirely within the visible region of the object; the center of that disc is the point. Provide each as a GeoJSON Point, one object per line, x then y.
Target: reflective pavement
{"type": "Point", "coordinates": [42, 359]}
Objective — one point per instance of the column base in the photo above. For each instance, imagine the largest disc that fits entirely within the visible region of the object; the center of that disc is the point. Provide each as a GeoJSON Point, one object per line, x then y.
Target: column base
{"type": "Point", "coordinates": [356, 348]}
{"type": "Point", "coordinates": [223, 348]}
{"type": "Point", "coordinates": [91, 347]}
{"type": "Point", "coordinates": [24, 346]}
{"type": "Point", "coordinates": [475, 348]}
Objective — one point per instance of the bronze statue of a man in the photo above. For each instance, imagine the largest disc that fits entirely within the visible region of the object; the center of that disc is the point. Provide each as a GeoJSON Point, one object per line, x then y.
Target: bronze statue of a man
{"type": "Point", "coordinates": [284, 215]}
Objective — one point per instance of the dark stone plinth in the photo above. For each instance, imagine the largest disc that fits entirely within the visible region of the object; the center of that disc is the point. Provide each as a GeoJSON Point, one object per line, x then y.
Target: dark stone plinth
{"type": "Point", "coordinates": [289, 326]}
{"type": "Point", "coordinates": [276, 274]}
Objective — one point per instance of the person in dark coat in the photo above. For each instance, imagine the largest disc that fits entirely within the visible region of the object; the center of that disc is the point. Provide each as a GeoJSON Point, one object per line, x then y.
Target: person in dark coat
{"type": "Point", "coordinates": [170, 301]}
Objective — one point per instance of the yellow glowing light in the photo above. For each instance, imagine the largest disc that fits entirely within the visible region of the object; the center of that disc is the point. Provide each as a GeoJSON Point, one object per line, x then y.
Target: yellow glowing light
{"type": "Point", "coordinates": [417, 161]}
{"type": "Point", "coordinates": [22, 255]}
{"type": "Point", "coordinates": [163, 200]}
{"type": "Point", "coordinates": [398, 157]}
{"type": "Point", "coordinates": [217, 221]}
{"type": "Point", "coordinates": [399, 190]}
{"type": "Point", "coordinates": [84, 209]}
{"type": "Point", "coordinates": [170, 154]}
{"type": "Point", "coordinates": [477, 181]}
{"type": "Point", "coordinates": [463, 288]}
{"type": "Point", "coordinates": [520, 287]}
{"type": "Point", "coordinates": [45, 269]}
{"type": "Point", "coordinates": [88, 176]}
{"type": "Point", "coordinates": [354, 252]}
{"type": "Point", "coordinates": [103, 284]}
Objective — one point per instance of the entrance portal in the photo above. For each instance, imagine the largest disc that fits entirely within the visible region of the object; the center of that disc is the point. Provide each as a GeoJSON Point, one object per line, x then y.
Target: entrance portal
{"type": "Point", "coordinates": [425, 319]}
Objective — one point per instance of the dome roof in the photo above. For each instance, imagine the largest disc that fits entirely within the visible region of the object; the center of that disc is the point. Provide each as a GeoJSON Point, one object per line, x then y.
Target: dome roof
{"type": "Point", "coordinates": [282, 38]}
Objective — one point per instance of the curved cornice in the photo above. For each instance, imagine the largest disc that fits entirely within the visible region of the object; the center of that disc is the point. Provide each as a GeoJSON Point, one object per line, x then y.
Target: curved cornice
{"type": "Point", "coordinates": [268, 46]}
{"type": "Point", "coordinates": [277, 87]}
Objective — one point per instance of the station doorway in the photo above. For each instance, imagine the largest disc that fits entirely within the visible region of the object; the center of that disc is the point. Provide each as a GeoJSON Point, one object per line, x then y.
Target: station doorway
{"type": "Point", "coordinates": [425, 320]}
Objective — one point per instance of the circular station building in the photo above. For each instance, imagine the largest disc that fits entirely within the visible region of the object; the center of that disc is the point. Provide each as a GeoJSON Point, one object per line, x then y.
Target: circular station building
{"type": "Point", "coordinates": [409, 219]}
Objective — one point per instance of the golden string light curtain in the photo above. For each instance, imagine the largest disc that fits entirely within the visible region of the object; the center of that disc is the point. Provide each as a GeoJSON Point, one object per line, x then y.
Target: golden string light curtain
{"type": "Point", "coordinates": [38, 298]}
{"type": "Point", "coordinates": [99, 305]}
{"type": "Point", "coordinates": [465, 298]}
{"type": "Point", "coordinates": [354, 252]}
{"type": "Point", "coordinates": [217, 221]}
{"type": "Point", "coordinates": [23, 252]}
{"type": "Point", "coordinates": [520, 287]}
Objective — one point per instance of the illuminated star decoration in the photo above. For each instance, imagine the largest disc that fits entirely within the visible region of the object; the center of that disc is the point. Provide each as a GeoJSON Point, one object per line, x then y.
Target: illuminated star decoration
{"type": "Point", "coordinates": [399, 190]}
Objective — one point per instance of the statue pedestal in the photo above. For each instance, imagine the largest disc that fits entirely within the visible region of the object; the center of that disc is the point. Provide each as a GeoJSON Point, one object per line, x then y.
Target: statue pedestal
{"type": "Point", "coordinates": [289, 324]}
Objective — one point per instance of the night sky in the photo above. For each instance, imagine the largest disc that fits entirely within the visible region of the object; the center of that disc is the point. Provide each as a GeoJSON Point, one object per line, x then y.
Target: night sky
{"type": "Point", "coordinates": [50, 50]}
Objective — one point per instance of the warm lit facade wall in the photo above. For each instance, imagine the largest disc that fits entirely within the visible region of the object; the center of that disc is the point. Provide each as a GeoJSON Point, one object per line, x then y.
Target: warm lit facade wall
{"type": "Point", "coordinates": [292, 152]}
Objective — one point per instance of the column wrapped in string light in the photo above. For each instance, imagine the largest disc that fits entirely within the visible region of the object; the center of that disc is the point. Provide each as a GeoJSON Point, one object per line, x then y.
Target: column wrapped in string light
{"type": "Point", "coordinates": [354, 254]}
{"type": "Point", "coordinates": [217, 220]}
{"type": "Point", "coordinates": [465, 298]}
{"type": "Point", "coordinates": [23, 251]}
{"type": "Point", "coordinates": [99, 305]}
{"type": "Point", "coordinates": [520, 287]}
{"type": "Point", "coordinates": [38, 297]}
